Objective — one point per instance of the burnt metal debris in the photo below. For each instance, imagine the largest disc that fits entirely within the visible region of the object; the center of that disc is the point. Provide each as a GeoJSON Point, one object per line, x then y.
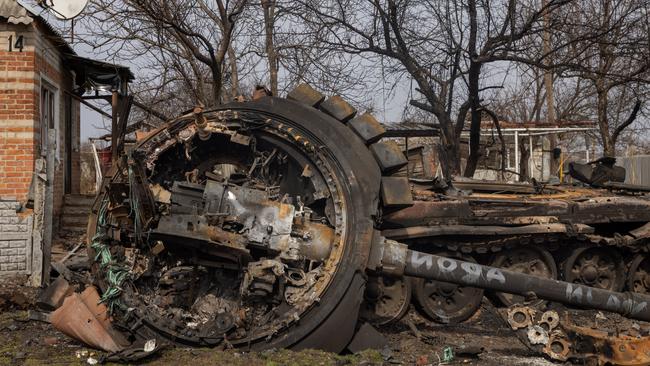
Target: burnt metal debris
{"type": "Point", "coordinates": [554, 335]}
{"type": "Point", "coordinates": [281, 222]}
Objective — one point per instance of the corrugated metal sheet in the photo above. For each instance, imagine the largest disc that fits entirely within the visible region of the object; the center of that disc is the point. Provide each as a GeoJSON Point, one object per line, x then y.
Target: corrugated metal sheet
{"type": "Point", "coordinates": [14, 12]}
{"type": "Point", "coordinates": [637, 169]}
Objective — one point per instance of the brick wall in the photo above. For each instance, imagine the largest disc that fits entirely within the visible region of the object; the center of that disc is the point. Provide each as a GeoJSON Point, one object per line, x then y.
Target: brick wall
{"type": "Point", "coordinates": [21, 75]}
{"type": "Point", "coordinates": [15, 240]}
{"type": "Point", "coordinates": [18, 116]}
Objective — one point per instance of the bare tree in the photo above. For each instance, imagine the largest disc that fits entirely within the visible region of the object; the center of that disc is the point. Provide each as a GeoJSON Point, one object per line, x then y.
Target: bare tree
{"type": "Point", "coordinates": [522, 101]}
{"type": "Point", "coordinates": [615, 61]}
{"type": "Point", "coordinates": [178, 41]}
{"type": "Point", "coordinates": [442, 45]}
{"type": "Point", "coordinates": [206, 51]}
{"type": "Point", "coordinates": [605, 44]}
{"type": "Point", "coordinates": [268, 7]}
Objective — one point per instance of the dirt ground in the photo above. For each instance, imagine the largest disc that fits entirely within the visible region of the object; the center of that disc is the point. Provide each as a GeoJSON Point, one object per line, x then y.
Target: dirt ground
{"type": "Point", "coordinates": [412, 341]}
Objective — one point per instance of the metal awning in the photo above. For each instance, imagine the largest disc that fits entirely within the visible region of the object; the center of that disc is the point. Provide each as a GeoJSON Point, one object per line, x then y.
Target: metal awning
{"type": "Point", "coordinates": [94, 75]}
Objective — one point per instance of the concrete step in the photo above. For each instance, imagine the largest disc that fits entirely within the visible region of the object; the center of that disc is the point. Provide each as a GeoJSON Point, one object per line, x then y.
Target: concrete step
{"type": "Point", "coordinates": [72, 231]}
{"type": "Point", "coordinates": [75, 213]}
{"type": "Point", "coordinates": [74, 221]}
{"type": "Point", "coordinates": [76, 210]}
{"type": "Point", "coordinates": [77, 200]}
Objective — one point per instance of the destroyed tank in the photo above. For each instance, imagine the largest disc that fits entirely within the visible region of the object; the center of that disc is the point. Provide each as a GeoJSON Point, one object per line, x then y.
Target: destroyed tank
{"type": "Point", "coordinates": [280, 222]}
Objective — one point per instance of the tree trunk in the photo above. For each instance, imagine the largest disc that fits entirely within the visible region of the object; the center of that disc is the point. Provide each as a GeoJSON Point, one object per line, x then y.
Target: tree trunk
{"type": "Point", "coordinates": [234, 74]}
{"type": "Point", "coordinates": [473, 86]}
{"type": "Point", "coordinates": [449, 159]}
{"type": "Point", "coordinates": [475, 125]}
{"type": "Point", "coordinates": [603, 123]}
{"type": "Point", "coordinates": [269, 13]}
{"type": "Point", "coordinates": [450, 153]}
{"type": "Point", "coordinates": [550, 95]}
{"type": "Point", "coordinates": [217, 81]}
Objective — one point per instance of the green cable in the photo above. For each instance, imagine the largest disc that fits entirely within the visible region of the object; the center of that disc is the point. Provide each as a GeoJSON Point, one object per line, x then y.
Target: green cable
{"type": "Point", "coordinates": [116, 273]}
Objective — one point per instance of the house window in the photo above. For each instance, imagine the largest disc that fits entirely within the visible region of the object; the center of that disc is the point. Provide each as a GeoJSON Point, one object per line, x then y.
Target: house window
{"type": "Point", "coordinates": [48, 114]}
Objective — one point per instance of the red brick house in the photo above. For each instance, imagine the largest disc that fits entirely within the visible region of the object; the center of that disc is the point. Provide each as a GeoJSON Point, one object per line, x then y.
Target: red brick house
{"type": "Point", "coordinates": [35, 96]}
{"type": "Point", "coordinates": [42, 83]}
{"type": "Point", "coordinates": [35, 93]}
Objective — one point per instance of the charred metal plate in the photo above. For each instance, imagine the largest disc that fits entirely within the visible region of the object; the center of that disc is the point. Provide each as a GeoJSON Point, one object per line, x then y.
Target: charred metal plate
{"type": "Point", "coordinates": [264, 220]}
{"type": "Point", "coordinates": [305, 94]}
{"type": "Point", "coordinates": [389, 156]}
{"type": "Point", "coordinates": [367, 127]}
{"type": "Point", "coordinates": [186, 198]}
{"type": "Point", "coordinates": [193, 231]}
{"type": "Point", "coordinates": [338, 108]}
{"type": "Point", "coordinates": [396, 192]}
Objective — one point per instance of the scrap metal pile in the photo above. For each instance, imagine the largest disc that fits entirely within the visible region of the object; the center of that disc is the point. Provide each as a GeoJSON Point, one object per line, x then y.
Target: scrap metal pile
{"type": "Point", "coordinates": [276, 222]}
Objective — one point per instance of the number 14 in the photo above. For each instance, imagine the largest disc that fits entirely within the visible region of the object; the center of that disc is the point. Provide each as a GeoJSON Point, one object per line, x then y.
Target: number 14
{"type": "Point", "coordinates": [19, 44]}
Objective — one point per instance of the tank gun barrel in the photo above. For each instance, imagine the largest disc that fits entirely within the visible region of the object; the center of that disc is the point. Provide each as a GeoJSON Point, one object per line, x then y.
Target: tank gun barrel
{"type": "Point", "coordinates": [397, 259]}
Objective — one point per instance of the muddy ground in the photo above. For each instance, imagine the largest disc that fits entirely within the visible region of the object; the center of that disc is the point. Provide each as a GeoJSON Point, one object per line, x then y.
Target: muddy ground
{"type": "Point", "coordinates": [24, 342]}
{"type": "Point", "coordinates": [412, 341]}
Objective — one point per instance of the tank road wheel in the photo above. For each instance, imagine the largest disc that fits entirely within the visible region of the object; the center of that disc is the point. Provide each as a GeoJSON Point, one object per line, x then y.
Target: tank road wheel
{"type": "Point", "coordinates": [600, 267]}
{"type": "Point", "coordinates": [529, 260]}
{"type": "Point", "coordinates": [262, 212]}
{"type": "Point", "coordinates": [446, 302]}
{"type": "Point", "coordinates": [387, 299]}
{"type": "Point", "coordinates": [639, 275]}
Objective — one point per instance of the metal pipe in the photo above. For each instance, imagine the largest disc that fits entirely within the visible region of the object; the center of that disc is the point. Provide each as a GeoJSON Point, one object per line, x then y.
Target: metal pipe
{"type": "Point", "coordinates": [531, 164]}
{"type": "Point", "coordinates": [85, 102]}
{"type": "Point", "coordinates": [517, 152]}
{"type": "Point", "coordinates": [526, 133]}
{"type": "Point", "coordinates": [536, 129]}
{"type": "Point", "coordinates": [417, 264]}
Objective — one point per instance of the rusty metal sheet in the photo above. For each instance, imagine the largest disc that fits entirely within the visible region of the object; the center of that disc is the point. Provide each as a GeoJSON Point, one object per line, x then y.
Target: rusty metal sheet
{"type": "Point", "coordinates": [440, 230]}
{"type": "Point", "coordinates": [82, 317]}
{"type": "Point", "coordinates": [486, 210]}
{"type": "Point", "coordinates": [586, 343]}
{"type": "Point", "coordinates": [423, 212]}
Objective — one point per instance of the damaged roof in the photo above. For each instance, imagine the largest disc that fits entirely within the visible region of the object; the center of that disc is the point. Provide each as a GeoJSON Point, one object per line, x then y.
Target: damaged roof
{"type": "Point", "coordinates": [14, 12]}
